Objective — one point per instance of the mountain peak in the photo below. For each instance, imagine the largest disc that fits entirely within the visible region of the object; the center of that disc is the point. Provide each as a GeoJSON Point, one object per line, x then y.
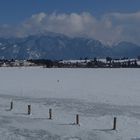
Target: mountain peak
{"type": "Point", "coordinates": [58, 46]}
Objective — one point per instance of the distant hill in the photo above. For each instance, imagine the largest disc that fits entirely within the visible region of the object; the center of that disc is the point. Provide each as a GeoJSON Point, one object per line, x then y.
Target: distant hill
{"type": "Point", "coordinates": [58, 46]}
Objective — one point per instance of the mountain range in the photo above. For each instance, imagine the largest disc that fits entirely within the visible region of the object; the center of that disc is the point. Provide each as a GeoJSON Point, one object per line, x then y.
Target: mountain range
{"type": "Point", "coordinates": [57, 46]}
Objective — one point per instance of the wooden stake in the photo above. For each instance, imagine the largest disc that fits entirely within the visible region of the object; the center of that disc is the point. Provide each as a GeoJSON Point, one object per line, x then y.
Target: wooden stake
{"type": "Point", "coordinates": [77, 119]}
{"type": "Point", "coordinates": [29, 109]}
{"type": "Point", "coordinates": [114, 123]}
{"type": "Point", "coordinates": [11, 105]}
{"type": "Point", "coordinates": [50, 114]}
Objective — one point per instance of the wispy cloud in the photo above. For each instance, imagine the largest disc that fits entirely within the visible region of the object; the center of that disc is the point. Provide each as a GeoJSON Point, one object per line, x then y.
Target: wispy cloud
{"type": "Point", "coordinates": [109, 28]}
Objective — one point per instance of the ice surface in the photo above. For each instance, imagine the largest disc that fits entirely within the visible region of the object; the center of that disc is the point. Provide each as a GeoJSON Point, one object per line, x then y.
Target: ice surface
{"type": "Point", "coordinates": [97, 95]}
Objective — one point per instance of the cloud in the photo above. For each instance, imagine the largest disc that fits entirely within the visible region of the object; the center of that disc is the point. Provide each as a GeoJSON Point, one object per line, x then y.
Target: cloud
{"type": "Point", "coordinates": [109, 28]}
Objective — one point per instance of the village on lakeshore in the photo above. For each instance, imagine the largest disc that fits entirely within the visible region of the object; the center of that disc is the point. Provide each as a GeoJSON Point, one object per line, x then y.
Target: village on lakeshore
{"type": "Point", "coordinates": [108, 62]}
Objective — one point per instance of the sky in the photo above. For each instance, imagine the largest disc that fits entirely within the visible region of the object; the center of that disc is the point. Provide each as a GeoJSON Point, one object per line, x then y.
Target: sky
{"type": "Point", "coordinates": [14, 11]}
{"type": "Point", "coordinates": [109, 21]}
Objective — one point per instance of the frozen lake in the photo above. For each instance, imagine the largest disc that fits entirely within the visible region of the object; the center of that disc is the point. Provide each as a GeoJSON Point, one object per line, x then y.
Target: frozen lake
{"type": "Point", "coordinates": [115, 86]}
{"type": "Point", "coordinates": [97, 95]}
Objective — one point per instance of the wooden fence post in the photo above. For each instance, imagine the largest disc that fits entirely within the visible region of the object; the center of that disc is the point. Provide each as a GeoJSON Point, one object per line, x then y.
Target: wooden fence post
{"type": "Point", "coordinates": [29, 109]}
{"type": "Point", "coordinates": [50, 114]}
{"type": "Point", "coordinates": [77, 119]}
{"type": "Point", "coordinates": [114, 123]}
{"type": "Point", "coordinates": [11, 105]}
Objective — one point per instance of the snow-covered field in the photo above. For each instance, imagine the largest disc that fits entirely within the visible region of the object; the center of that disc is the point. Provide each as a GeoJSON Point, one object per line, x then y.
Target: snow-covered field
{"type": "Point", "coordinates": [97, 95]}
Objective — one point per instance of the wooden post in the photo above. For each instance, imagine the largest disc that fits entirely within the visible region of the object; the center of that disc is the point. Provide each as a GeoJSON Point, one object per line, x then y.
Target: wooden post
{"type": "Point", "coordinates": [11, 105]}
{"type": "Point", "coordinates": [114, 123]}
{"type": "Point", "coordinates": [77, 119]}
{"type": "Point", "coordinates": [50, 114]}
{"type": "Point", "coordinates": [29, 109]}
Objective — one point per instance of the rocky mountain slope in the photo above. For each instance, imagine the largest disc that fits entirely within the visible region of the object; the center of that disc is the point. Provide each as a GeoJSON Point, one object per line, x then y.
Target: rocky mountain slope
{"type": "Point", "coordinates": [58, 46]}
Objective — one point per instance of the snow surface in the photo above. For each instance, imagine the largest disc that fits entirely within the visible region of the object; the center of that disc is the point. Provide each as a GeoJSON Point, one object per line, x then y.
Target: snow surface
{"type": "Point", "coordinates": [97, 95]}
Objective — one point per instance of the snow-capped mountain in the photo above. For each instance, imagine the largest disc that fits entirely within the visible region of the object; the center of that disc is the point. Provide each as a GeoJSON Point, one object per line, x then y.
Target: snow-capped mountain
{"type": "Point", "coordinates": [58, 46]}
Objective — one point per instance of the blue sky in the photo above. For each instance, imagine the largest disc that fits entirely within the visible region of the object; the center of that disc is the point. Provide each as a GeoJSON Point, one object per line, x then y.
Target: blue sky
{"type": "Point", "coordinates": [109, 21]}
{"type": "Point", "coordinates": [14, 11]}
